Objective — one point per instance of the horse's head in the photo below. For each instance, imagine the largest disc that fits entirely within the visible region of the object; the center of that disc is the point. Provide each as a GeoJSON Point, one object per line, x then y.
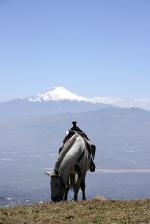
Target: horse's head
{"type": "Point", "coordinates": [57, 188]}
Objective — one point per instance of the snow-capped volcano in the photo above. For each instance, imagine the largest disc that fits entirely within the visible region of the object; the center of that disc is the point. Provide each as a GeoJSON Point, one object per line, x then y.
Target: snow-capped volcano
{"type": "Point", "coordinates": [57, 94]}
{"type": "Point", "coordinates": [61, 94]}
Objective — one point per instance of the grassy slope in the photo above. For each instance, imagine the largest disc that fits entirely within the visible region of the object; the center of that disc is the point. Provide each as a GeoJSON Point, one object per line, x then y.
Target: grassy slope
{"type": "Point", "coordinates": [95, 211]}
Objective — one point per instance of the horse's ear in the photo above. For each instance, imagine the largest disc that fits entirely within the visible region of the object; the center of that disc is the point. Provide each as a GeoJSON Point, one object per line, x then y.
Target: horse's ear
{"type": "Point", "coordinates": [48, 173]}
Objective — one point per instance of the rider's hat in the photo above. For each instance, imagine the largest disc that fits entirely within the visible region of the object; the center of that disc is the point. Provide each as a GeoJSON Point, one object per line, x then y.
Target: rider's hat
{"type": "Point", "coordinates": [74, 123]}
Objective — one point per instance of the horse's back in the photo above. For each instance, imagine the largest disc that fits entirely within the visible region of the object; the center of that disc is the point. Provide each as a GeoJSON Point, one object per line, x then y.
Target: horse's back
{"type": "Point", "coordinates": [72, 156]}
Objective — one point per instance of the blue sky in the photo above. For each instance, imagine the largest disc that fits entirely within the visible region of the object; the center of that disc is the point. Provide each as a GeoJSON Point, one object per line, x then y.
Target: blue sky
{"type": "Point", "coordinates": [94, 48]}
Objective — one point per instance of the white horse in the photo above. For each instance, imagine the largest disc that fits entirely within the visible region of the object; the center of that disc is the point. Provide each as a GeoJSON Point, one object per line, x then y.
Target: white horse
{"type": "Point", "coordinates": [72, 170]}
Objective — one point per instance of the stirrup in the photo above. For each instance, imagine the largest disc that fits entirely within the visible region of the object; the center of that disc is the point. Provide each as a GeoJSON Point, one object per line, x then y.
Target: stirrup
{"type": "Point", "coordinates": [92, 167]}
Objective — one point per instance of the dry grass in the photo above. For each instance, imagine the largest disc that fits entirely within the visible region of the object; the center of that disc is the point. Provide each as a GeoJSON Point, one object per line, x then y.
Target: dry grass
{"type": "Point", "coordinates": [95, 211]}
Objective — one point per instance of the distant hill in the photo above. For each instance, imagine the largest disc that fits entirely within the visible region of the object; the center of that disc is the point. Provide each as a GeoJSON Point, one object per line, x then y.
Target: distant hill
{"type": "Point", "coordinates": [122, 136]}
{"type": "Point", "coordinates": [18, 109]}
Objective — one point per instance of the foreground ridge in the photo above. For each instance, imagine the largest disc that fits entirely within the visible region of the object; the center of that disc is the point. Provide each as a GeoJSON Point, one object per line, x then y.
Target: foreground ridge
{"type": "Point", "coordinates": [94, 211]}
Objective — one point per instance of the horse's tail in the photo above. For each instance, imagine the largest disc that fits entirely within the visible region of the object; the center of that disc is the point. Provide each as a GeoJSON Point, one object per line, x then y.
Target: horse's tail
{"type": "Point", "coordinates": [72, 180]}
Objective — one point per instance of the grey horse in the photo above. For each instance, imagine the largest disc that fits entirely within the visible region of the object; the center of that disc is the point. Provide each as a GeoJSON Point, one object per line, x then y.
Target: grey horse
{"type": "Point", "coordinates": [72, 170]}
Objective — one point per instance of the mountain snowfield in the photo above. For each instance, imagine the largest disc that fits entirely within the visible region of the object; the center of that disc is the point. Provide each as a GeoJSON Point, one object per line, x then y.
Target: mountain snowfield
{"type": "Point", "coordinates": [56, 94]}
{"type": "Point", "coordinates": [61, 93]}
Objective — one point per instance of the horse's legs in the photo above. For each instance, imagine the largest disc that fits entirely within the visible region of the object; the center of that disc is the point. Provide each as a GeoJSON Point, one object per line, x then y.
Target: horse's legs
{"type": "Point", "coordinates": [76, 188]}
{"type": "Point", "coordinates": [76, 194]}
{"type": "Point", "coordinates": [83, 188]}
{"type": "Point", "coordinates": [66, 192]}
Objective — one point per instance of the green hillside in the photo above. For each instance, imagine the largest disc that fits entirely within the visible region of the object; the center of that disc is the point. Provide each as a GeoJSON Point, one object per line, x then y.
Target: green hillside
{"type": "Point", "coordinates": [94, 211]}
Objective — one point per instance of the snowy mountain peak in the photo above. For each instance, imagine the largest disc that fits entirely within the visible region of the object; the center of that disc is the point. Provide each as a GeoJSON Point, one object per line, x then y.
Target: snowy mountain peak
{"type": "Point", "coordinates": [60, 94]}
{"type": "Point", "coordinates": [56, 94]}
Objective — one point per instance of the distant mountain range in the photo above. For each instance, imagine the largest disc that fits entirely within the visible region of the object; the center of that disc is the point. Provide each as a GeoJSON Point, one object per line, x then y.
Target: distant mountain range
{"type": "Point", "coordinates": [59, 100]}
{"type": "Point", "coordinates": [60, 94]}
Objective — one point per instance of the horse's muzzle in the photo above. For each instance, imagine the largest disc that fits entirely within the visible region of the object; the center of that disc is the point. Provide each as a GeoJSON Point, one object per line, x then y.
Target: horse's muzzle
{"type": "Point", "coordinates": [56, 199]}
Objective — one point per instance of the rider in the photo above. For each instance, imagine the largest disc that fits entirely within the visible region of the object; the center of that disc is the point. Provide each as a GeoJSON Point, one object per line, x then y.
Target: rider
{"type": "Point", "coordinates": [72, 131]}
{"type": "Point", "coordinates": [63, 150]}
{"type": "Point", "coordinates": [77, 129]}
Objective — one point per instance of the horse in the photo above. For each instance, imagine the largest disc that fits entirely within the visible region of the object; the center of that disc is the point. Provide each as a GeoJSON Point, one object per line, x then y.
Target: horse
{"type": "Point", "coordinates": [72, 170]}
